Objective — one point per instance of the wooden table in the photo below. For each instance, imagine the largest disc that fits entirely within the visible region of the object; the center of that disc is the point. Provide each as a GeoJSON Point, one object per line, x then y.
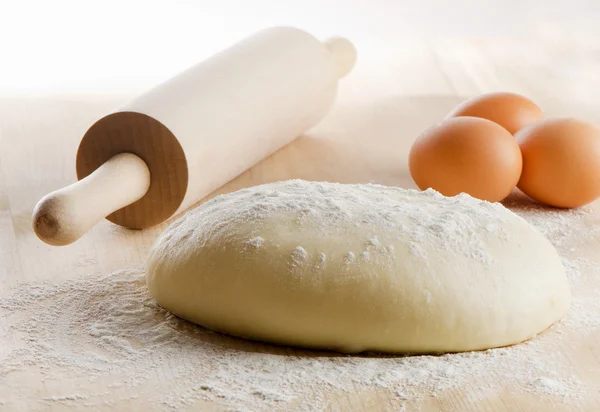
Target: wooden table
{"type": "Point", "coordinates": [391, 97]}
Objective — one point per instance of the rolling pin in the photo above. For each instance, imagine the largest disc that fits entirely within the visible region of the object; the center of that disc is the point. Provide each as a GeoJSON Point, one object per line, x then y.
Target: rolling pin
{"type": "Point", "coordinates": [178, 142]}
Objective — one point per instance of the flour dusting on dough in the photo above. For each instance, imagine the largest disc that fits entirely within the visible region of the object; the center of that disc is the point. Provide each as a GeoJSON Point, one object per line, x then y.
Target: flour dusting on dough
{"type": "Point", "coordinates": [255, 242]}
{"type": "Point", "coordinates": [299, 256]}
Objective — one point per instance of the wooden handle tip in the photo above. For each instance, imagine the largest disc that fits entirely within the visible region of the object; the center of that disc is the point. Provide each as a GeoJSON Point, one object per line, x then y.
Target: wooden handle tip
{"type": "Point", "coordinates": [344, 53]}
{"type": "Point", "coordinates": [47, 223]}
{"type": "Point", "coordinates": [62, 217]}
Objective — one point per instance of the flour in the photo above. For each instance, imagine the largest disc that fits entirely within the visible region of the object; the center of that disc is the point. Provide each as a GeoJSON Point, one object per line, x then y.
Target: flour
{"type": "Point", "coordinates": [298, 256]}
{"type": "Point", "coordinates": [107, 333]}
{"type": "Point", "coordinates": [256, 242]}
{"type": "Point", "coordinates": [555, 387]}
{"type": "Point", "coordinates": [424, 217]}
{"type": "Point", "coordinates": [349, 258]}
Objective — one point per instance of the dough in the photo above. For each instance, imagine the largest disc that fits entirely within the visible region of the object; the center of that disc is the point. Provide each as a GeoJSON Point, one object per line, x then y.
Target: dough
{"type": "Point", "coordinates": [359, 267]}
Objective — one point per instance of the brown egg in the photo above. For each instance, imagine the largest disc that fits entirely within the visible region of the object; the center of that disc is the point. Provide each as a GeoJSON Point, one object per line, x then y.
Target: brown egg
{"type": "Point", "coordinates": [509, 110]}
{"type": "Point", "coordinates": [561, 162]}
{"type": "Point", "coordinates": [466, 154]}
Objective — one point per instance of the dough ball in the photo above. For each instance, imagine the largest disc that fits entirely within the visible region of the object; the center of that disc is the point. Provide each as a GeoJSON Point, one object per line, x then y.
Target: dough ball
{"type": "Point", "coordinates": [359, 268]}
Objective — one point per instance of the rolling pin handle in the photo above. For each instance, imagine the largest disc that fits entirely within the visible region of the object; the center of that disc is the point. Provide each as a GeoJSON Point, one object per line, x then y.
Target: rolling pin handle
{"type": "Point", "coordinates": [344, 54]}
{"type": "Point", "coordinates": [62, 217]}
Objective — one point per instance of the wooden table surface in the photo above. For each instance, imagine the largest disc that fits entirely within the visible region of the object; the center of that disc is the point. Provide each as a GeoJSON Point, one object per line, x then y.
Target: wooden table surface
{"type": "Point", "coordinates": [389, 99]}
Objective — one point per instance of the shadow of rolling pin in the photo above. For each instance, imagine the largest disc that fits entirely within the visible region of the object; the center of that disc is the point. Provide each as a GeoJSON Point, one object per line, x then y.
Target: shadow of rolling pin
{"type": "Point", "coordinates": [180, 141]}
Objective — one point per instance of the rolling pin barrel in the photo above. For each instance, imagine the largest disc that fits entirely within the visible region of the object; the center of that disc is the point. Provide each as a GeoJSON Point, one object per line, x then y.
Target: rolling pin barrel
{"type": "Point", "coordinates": [175, 144]}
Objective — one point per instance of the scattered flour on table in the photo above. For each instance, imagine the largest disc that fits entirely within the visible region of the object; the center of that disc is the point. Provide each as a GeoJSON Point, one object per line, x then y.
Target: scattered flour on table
{"type": "Point", "coordinates": [108, 330]}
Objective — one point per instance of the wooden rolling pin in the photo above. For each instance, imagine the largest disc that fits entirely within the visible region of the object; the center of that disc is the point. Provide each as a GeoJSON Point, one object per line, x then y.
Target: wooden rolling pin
{"type": "Point", "coordinates": [175, 144]}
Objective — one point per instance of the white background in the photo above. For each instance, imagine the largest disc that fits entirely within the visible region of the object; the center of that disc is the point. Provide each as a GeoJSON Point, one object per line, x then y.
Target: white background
{"type": "Point", "coordinates": [110, 46]}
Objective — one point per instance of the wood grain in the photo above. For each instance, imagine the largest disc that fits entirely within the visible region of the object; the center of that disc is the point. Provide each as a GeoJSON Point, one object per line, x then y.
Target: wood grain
{"type": "Point", "coordinates": [157, 146]}
{"type": "Point", "coordinates": [381, 108]}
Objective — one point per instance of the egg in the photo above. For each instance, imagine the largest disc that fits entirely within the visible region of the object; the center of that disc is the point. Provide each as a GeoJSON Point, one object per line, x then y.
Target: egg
{"type": "Point", "coordinates": [561, 162]}
{"type": "Point", "coordinates": [511, 111]}
{"type": "Point", "coordinates": [466, 154]}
